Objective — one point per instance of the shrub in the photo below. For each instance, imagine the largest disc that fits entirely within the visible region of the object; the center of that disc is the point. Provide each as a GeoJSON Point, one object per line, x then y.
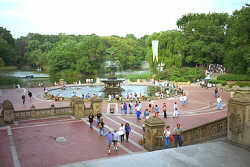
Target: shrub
{"type": "Point", "coordinates": [234, 77]}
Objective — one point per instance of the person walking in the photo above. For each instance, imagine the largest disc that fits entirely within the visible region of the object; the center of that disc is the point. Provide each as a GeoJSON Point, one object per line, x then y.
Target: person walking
{"type": "Point", "coordinates": [23, 98]}
{"type": "Point", "coordinates": [127, 130]}
{"type": "Point", "coordinates": [109, 135]}
{"type": "Point", "coordinates": [122, 132]}
{"type": "Point", "coordinates": [115, 140]}
{"type": "Point", "coordinates": [130, 105]}
{"type": "Point", "coordinates": [91, 120]}
{"type": "Point", "coordinates": [178, 140]}
{"type": "Point", "coordinates": [122, 108]}
{"type": "Point", "coordinates": [138, 113]}
{"type": "Point", "coordinates": [29, 94]}
{"type": "Point", "coordinates": [101, 127]}
{"type": "Point", "coordinates": [219, 103]}
{"type": "Point", "coordinates": [98, 117]}
{"type": "Point", "coordinates": [167, 137]}
{"type": "Point", "coordinates": [164, 109]}
{"type": "Point", "coordinates": [216, 92]}
{"type": "Point", "coordinates": [156, 111]}
{"type": "Point", "coordinates": [125, 107]}
{"type": "Point", "coordinates": [175, 113]}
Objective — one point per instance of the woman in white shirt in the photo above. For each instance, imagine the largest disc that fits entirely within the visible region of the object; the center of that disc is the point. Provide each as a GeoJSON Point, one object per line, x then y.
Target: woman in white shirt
{"type": "Point", "coordinates": [122, 132]}
{"type": "Point", "coordinates": [219, 103]}
{"type": "Point", "coordinates": [175, 113]}
{"type": "Point", "coordinates": [167, 135]}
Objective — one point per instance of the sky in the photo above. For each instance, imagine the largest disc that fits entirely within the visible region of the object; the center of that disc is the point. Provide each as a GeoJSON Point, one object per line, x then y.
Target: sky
{"type": "Point", "coordinates": [103, 17]}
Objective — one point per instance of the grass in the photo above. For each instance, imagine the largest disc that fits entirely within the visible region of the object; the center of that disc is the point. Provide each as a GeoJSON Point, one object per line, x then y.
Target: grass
{"type": "Point", "coordinates": [8, 68]}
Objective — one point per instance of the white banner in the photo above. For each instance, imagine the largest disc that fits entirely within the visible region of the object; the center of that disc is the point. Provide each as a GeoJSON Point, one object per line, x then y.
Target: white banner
{"type": "Point", "coordinates": [155, 50]}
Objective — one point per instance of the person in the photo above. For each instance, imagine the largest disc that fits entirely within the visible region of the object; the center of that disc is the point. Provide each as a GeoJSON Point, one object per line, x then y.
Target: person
{"type": "Point", "coordinates": [178, 140]}
{"type": "Point", "coordinates": [122, 132]}
{"type": "Point", "coordinates": [125, 107]}
{"type": "Point", "coordinates": [122, 108]}
{"type": "Point", "coordinates": [110, 97]}
{"type": "Point", "coordinates": [146, 114]}
{"type": "Point", "coordinates": [150, 106]}
{"type": "Point", "coordinates": [101, 127]}
{"type": "Point", "coordinates": [140, 105]}
{"type": "Point", "coordinates": [166, 136]}
{"type": "Point", "coordinates": [91, 119]}
{"type": "Point", "coordinates": [184, 98]}
{"type": "Point", "coordinates": [109, 140]}
{"type": "Point", "coordinates": [219, 103]}
{"type": "Point", "coordinates": [164, 109]}
{"type": "Point", "coordinates": [98, 117]}
{"type": "Point", "coordinates": [216, 92]}
{"type": "Point", "coordinates": [175, 114]}
{"type": "Point", "coordinates": [130, 105]}
{"type": "Point", "coordinates": [23, 98]}
{"type": "Point", "coordinates": [29, 94]}
{"type": "Point", "coordinates": [156, 111]}
{"type": "Point", "coordinates": [138, 113]}
{"type": "Point", "coordinates": [127, 131]}
{"type": "Point", "coordinates": [115, 140]}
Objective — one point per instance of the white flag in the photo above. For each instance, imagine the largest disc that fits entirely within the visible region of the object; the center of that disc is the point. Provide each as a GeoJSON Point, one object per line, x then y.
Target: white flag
{"type": "Point", "coordinates": [155, 50]}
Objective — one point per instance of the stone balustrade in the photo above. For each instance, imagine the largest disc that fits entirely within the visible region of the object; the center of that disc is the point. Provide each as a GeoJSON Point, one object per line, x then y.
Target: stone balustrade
{"type": "Point", "coordinates": [42, 113]}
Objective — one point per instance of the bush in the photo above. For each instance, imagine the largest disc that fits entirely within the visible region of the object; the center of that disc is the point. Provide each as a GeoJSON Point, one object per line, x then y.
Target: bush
{"type": "Point", "coordinates": [4, 81]}
{"type": "Point", "coordinates": [234, 77]}
{"type": "Point", "coordinates": [182, 74]}
{"type": "Point", "coordinates": [8, 68]}
{"type": "Point", "coordinates": [218, 82]}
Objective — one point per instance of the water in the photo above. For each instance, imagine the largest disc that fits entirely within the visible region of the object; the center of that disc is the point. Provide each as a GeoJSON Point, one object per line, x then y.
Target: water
{"type": "Point", "coordinates": [98, 90]}
{"type": "Point", "coordinates": [22, 74]}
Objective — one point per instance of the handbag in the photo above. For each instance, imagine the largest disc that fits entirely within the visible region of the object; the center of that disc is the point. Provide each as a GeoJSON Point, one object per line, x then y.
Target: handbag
{"type": "Point", "coordinates": [171, 137]}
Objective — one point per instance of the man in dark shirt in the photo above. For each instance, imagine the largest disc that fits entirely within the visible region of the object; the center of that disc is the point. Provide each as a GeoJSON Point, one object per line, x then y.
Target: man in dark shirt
{"type": "Point", "coordinates": [91, 119]}
{"type": "Point", "coordinates": [98, 116]}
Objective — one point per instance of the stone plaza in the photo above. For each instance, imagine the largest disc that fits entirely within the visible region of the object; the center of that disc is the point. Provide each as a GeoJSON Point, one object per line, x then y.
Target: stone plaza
{"type": "Point", "coordinates": [67, 140]}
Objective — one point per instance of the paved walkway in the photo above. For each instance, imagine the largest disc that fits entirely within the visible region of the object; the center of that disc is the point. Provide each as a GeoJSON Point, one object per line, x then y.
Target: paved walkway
{"type": "Point", "coordinates": [32, 143]}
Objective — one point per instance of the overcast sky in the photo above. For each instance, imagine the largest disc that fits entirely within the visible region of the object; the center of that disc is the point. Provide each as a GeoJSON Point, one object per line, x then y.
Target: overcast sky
{"type": "Point", "coordinates": [103, 17]}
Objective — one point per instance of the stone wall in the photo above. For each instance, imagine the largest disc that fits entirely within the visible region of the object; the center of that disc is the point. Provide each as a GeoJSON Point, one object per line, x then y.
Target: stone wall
{"type": "Point", "coordinates": [206, 132]}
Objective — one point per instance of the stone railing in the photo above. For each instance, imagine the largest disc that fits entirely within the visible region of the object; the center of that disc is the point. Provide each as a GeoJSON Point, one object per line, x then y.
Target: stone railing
{"type": "Point", "coordinates": [206, 132]}
{"type": "Point", "coordinates": [41, 113]}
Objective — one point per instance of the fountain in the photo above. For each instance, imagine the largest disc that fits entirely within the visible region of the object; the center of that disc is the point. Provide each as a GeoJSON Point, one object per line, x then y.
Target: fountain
{"type": "Point", "coordinates": [112, 84]}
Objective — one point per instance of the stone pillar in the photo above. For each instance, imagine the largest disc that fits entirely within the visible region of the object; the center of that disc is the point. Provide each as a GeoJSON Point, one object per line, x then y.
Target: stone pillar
{"type": "Point", "coordinates": [8, 112]}
{"type": "Point", "coordinates": [154, 128]}
{"type": "Point", "coordinates": [78, 107]}
{"type": "Point", "coordinates": [97, 106]}
{"type": "Point", "coordinates": [238, 117]}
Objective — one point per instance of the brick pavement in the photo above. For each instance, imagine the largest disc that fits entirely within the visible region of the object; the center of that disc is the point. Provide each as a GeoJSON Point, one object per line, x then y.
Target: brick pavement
{"type": "Point", "coordinates": [35, 139]}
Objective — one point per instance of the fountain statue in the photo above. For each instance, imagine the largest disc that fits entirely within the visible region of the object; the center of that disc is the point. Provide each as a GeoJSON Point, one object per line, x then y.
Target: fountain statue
{"type": "Point", "coordinates": [112, 84]}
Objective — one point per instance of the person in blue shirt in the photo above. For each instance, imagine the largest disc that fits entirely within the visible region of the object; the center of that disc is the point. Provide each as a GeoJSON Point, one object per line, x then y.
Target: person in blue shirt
{"type": "Point", "coordinates": [156, 111]}
{"type": "Point", "coordinates": [125, 107]}
{"type": "Point", "coordinates": [115, 139]}
{"type": "Point", "coordinates": [127, 131]}
{"type": "Point", "coordinates": [109, 135]}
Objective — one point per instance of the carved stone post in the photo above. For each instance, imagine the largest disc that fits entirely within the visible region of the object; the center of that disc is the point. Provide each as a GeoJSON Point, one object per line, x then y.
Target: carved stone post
{"type": "Point", "coordinates": [8, 112]}
{"type": "Point", "coordinates": [154, 128]}
{"type": "Point", "coordinates": [239, 117]}
{"type": "Point", "coordinates": [78, 107]}
{"type": "Point", "coordinates": [97, 105]}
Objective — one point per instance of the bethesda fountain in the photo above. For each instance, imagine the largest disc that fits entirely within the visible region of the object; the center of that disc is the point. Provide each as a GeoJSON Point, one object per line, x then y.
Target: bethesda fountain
{"type": "Point", "coordinates": [112, 84]}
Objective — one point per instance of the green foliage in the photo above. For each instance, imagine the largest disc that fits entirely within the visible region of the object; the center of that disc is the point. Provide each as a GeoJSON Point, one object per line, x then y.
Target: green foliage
{"type": "Point", "coordinates": [8, 68]}
{"type": "Point", "coordinates": [181, 74]}
{"type": "Point", "coordinates": [4, 81]}
{"type": "Point", "coordinates": [1, 62]}
{"type": "Point", "coordinates": [237, 58]}
{"type": "Point", "coordinates": [234, 77]}
{"type": "Point", "coordinates": [218, 82]}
